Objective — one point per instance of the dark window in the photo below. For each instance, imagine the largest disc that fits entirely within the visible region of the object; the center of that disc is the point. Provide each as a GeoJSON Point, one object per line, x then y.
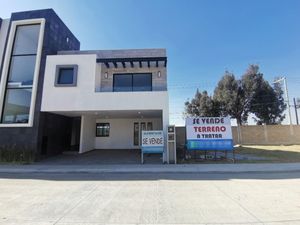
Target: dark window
{"type": "Point", "coordinates": [102, 129]}
{"type": "Point", "coordinates": [122, 82]}
{"type": "Point", "coordinates": [22, 70]}
{"type": "Point", "coordinates": [16, 106]}
{"type": "Point", "coordinates": [66, 75]}
{"type": "Point", "coordinates": [136, 132]}
{"type": "Point", "coordinates": [26, 39]}
{"type": "Point", "coordinates": [132, 82]}
{"type": "Point", "coordinates": [149, 126]}
{"type": "Point", "coordinates": [142, 82]}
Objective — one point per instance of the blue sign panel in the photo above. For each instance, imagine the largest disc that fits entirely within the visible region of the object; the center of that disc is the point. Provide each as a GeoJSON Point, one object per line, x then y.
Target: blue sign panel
{"type": "Point", "coordinates": [218, 145]}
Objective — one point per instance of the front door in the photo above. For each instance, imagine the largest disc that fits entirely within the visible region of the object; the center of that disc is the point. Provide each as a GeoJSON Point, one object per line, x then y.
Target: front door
{"type": "Point", "coordinates": [137, 131]}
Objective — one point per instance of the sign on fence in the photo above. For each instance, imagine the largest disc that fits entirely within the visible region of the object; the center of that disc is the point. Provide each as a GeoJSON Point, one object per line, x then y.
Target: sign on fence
{"type": "Point", "coordinates": [209, 133]}
{"type": "Point", "coordinates": [152, 138]}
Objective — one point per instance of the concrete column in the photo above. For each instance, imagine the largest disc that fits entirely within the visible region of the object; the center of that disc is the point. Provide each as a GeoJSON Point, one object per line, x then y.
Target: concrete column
{"type": "Point", "coordinates": [87, 133]}
{"type": "Point", "coordinates": [165, 123]}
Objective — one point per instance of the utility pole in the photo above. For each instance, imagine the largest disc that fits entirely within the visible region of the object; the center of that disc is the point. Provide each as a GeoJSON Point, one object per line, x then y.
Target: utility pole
{"type": "Point", "coordinates": [296, 111]}
{"type": "Point", "coordinates": [287, 96]}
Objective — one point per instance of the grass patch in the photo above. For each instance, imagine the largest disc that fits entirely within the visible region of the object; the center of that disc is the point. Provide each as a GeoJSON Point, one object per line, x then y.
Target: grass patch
{"type": "Point", "coordinates": [270, 153]}
{"type": "Point", "coordinates": [249, 153]}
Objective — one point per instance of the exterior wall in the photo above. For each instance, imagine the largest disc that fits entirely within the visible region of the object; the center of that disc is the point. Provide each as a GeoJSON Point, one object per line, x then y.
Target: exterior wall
{"type": "Point", "coordinates": [158, 83]}
{"type": "Point", "coordinates": [268, 135]}
{"type": "Point", "coordinates": [3, 37]}
{"type": "Point", "coordinates": [121, 133]}
{"type": "Point", "coordinates": [256, 135]}
{"type": "Point", "coordinates": [55, 38]}
{"type": "Point", "coordinates": [56, 134]}
{"type": "Point", "coordinates": [83, 96]}
{"type": "Point", "coordinates": [87, 134]}
{"type": "Point", "coordinates": [106, 85]}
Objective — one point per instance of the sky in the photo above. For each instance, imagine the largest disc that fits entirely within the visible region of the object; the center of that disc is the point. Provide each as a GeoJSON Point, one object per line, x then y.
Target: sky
{"type": "Point", "coordinates": [203, 38]}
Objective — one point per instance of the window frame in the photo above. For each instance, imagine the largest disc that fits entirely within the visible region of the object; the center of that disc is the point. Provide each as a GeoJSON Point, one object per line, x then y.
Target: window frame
{"type": "Point", "coordinates": [6, 68]}
{"type": "Point", "coordinates": [132, 75]}
{"type": "Point", "coordinates": [57, 75]}
{"type": "Point", "coordinates": [103, 124]}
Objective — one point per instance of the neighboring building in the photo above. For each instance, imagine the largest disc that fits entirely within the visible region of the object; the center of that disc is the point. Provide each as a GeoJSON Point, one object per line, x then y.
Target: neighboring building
{"type": "Point", "coordinates": [54, 97]}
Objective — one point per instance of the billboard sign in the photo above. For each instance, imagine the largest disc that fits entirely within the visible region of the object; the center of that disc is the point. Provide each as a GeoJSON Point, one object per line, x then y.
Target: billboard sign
{"type": "Point", "coordinates": [209, 133]}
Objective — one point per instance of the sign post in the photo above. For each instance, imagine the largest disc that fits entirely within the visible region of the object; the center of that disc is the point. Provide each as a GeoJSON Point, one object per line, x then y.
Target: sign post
{"type": "Point", "coordinates": [209, 133]}
{"type": "Point", "coordinates": [152, 142]}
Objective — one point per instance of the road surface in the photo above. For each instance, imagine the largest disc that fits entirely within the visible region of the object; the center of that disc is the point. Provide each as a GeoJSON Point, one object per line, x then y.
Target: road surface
{"type": "Point", "coordinates": [150, 198]}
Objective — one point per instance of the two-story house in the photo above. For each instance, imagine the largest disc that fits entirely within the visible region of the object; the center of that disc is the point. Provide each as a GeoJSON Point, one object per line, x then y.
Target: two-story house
{"type": "Point", "coordinates": [54, 97]}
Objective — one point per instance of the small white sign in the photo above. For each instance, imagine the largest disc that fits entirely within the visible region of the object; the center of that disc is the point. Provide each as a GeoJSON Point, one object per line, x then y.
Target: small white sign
{"type": "Point", "coordinates": [154, 138]}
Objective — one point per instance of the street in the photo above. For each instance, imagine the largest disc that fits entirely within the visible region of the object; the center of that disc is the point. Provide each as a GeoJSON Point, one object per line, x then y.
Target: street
{"type": "Point", "coordinates": [150, 198]}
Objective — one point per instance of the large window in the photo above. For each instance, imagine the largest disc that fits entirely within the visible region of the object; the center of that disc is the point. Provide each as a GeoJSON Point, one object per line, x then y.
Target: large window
{"type": "Point", "coordinates": [17, 99]}
{"type": "Point", "coordinates": [17, 105]}
{"type": "Point", "coordinates": [102, 129]}
{"type": "Point", "coordinates": [132, 82]}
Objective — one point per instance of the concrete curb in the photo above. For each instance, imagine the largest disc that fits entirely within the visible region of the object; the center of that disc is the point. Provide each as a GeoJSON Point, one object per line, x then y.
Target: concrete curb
{"type": "Point", "coordinates": [153, 168]}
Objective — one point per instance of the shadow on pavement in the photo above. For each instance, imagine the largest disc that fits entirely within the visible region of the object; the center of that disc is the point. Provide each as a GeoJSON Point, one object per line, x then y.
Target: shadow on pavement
{"type": "Point", "coordinates": [152, 176]}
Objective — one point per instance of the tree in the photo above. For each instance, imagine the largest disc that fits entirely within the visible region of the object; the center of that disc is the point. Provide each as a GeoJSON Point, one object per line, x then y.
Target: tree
{"type": "Point", "coordinates": [230, 96]}
{"type": "Point", "coordinates": [268, 104]}
{"type": "Point", "coordinates": [201, 105]}
{"type": "Point", "coordinates": [238, 98]}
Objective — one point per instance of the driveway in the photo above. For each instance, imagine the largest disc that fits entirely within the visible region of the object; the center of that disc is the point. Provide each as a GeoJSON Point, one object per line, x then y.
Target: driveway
{"type": "Point", "coordinates": [150, 198]}
{"type": "Point", "coordinates": [101, 157]}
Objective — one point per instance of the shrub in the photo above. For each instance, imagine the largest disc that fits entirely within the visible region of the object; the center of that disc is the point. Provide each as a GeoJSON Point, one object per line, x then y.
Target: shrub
{"type": "Point", "coordinates": [16, 154]}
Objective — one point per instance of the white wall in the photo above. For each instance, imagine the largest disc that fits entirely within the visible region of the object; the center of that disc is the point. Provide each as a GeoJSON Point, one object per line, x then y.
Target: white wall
{"type": "Point", "coordinates": [84, 98]}
{"type": "Point", "coordinates": [87, 134]}
{"type": "Point", "coordinates": [121, 133]}
{"type": "Point", "coordinates": [3, 35]}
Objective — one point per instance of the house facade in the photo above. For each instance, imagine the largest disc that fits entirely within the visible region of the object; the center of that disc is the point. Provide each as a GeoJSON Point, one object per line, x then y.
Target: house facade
{"type": "Point", "coordinates": [54, 97]}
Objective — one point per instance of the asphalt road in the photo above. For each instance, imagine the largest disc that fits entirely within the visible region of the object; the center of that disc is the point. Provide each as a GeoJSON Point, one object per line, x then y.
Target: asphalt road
{"type": "Point", "coordinates": [150, 198]}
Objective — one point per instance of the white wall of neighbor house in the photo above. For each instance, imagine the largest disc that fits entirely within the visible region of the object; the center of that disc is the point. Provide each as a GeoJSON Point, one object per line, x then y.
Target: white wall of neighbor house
{"type": "Point", "coordinates": [121, 133]}
{"type": "Point", "coordinates": [3, 35]}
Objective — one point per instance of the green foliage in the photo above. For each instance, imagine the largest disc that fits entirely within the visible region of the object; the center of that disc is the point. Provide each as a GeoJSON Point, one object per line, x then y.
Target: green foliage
{"type": "Point", "coordinates": [268, 104]}
{"type": "Point", "coordinates": [231, 97]}
{"type": "Point", "coordinates": [202, 105]}
{"type": "Point", "coordinates": [238, 98]}
{"type": "Point", "coordinates": [10, 153]}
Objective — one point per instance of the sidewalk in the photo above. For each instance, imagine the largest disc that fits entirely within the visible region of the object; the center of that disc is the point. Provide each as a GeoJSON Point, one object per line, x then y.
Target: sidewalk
{"type": "Point", "coordinates": [153, 168]}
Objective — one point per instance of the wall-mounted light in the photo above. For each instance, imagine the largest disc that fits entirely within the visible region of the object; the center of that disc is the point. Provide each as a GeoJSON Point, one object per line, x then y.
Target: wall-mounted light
{"type": "Point", "coordinates": [106, 75]}
{"type": "Point", "coordinates": [158, 74]}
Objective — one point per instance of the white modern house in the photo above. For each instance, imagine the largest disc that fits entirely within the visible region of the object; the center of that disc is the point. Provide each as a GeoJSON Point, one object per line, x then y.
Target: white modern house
{"type": "Point", "coordinates": [55, 97]}
{"type": "Point", "coordinates": [110, 95]}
